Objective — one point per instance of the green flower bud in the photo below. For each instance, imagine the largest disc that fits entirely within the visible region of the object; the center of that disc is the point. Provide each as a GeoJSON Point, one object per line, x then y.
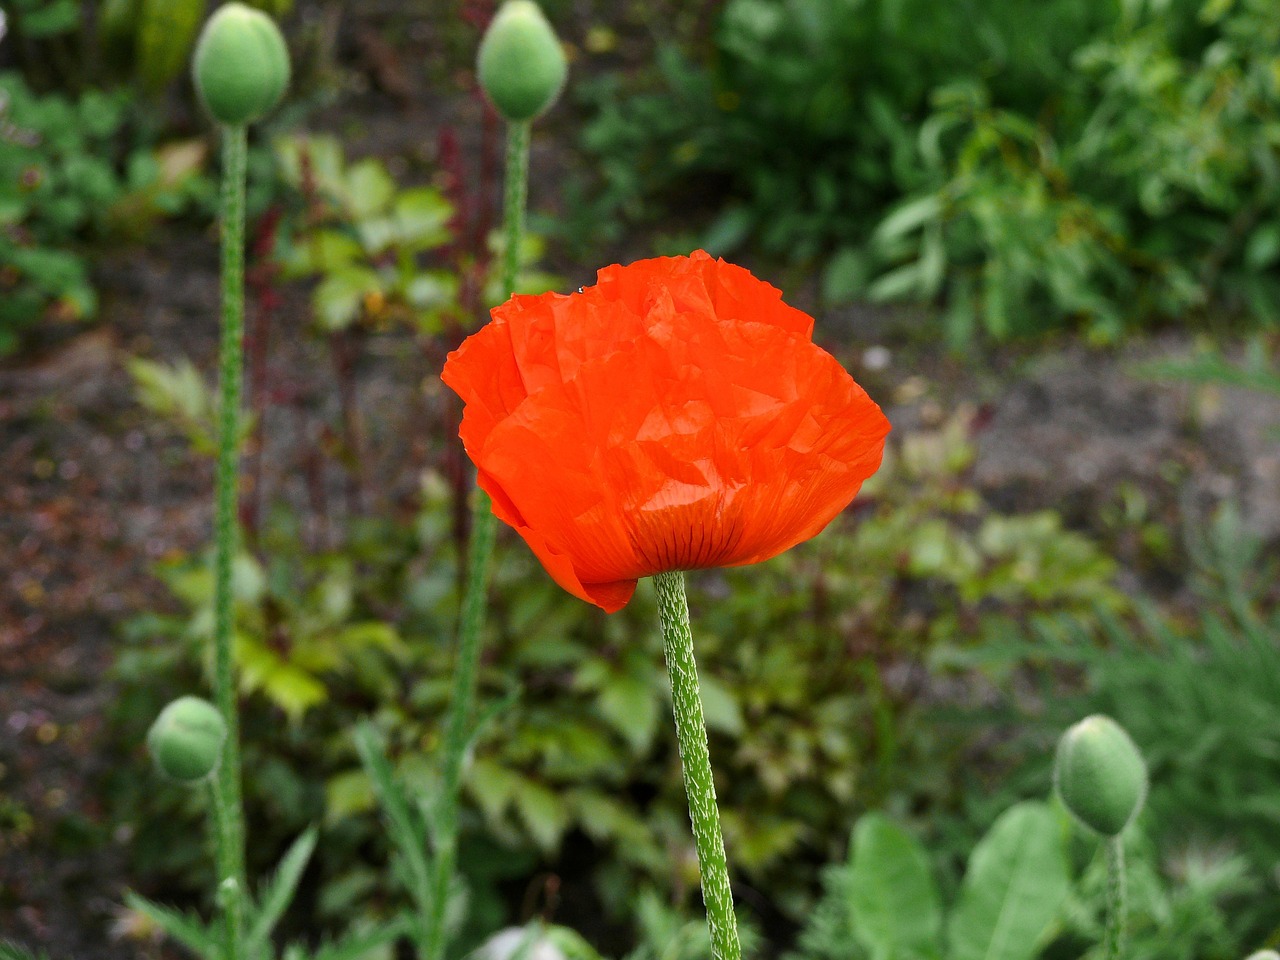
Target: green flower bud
{"type": "Point", "coordinates": [521, 65]}
{"type": "Point", "coordinates": [1100, 775]}
{"type": "Point", "coordinates": [241, 65]}
{"type": "Point", "coordinates": [186, 739]}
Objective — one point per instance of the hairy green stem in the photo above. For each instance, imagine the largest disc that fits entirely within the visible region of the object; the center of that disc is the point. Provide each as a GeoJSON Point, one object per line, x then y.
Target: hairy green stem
{"type": "Point", "coordinates": [229, 809]}
{"type": "Point", "coordinates": [479, 555]}
{"type": "Point", "coordinates": [515, 187]}
{"type": "Point", "coordinates": [691, 734]}
{"type": "Point", "coordinates": [1116, 897]}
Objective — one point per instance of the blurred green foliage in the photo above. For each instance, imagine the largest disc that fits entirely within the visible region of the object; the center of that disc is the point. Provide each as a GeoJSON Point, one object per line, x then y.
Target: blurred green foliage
{"type": "Point", "coordinates": [885, 900]}
{"type": "Point", "coordinates": [383, 253]}
{"type": "Point", "coordinates": [1196, 690]}
{"type": "Point", "coordinates": [70, 46]}
{"type": "Point", "coordinates": [801, 662]}
{"type": "Point", "coordinates": [72, 171]}
{"type": "Point", "coordinates": [1041, 164]}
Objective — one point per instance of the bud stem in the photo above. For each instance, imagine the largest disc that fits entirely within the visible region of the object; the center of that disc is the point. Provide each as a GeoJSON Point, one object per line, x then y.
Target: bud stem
{"type": "Point", "coordinates": [1116, 906]}
{"type": "Point", "coordinates": [691, 734]}
{"type": "Point", "coordinates": [229, 812]}
{"type": "Point", "coordinates": [479, 554]}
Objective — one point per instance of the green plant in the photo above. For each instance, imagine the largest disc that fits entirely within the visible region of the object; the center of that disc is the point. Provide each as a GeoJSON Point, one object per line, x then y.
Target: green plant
{"type": "Point", "coordinates": [1030, 165]}
{"type": "Point", "coordinates": [886, 900]}
{"type": "Point", "coordinates": [1195, 689]}
{"type": "Point", "coordinates": [796, 651]}
{"type": "Point", "coordinates": [71, 173]}
{"type": "Point", "coordinates": [57, 184]}
{"type": "Point", "coordinates": [383, 254]}
{"type": "Point", "coordinates": [1033, 888]}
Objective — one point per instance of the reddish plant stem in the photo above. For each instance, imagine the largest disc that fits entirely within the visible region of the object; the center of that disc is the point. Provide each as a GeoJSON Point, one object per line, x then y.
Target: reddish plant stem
{"type": "Point", "coordinates": [342, 347]}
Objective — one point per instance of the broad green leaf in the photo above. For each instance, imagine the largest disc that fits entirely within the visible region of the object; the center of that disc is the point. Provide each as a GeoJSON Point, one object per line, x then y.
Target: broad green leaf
{"type": "Point", "coordinates": [1015, 885]}
{"type": "Point", "coordinates": [339, 298]}
{"type": "Point", "coordinates": [892, 898]}
{"type": "Point", "coordinates": [542, 812]}
{"type": "Point", "coordinates": [369, 188]}
{"type": "Point", "coordinates": [845, 276]}
{"type": "Point", "coordinates": [720, 707]}
{"type": "Point", "coordinates": [630, 705]}
{"type": "Point", "coordinates": [422, 218]}
{"type": "Point", "coordinates": [280, 890]}
{"type": "Point", "coordinates": [492, 786]}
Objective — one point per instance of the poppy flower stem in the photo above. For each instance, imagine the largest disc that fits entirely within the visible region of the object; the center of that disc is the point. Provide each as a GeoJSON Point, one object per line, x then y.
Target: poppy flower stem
{"type": "Point", "coordinates": [691, 734]}
{"type": "Point", "coordinates": [458, 730]}
{"type": "Point", "coordinates": [1114, 942]}
{"type": "Point", "coordinates": [228, 803]}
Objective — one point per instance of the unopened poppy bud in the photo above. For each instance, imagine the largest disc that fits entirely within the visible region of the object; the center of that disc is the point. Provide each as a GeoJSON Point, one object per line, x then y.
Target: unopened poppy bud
{"type": "Point", "coordinates": [1100, 775]}
{"type": "Point", "coordinates": [241, 65]}
{"type": "Point", "coordinates": [186, 739]}
{"type": "Point", "coordinates": [521, 65]}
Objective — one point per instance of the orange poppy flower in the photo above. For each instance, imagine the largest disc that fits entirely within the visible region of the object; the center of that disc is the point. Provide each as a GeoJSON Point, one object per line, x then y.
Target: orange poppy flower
{"type": "Point", "coordinates": [674, 416]}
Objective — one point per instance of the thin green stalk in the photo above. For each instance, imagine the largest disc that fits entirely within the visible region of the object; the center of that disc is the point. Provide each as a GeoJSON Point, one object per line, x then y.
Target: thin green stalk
{"type": "Point", "coordinates": [229, 809]}
{"type": "Point", "coordinates": [1116, 897]}
{"type": "Point", "coordinates": [479, 554]}
{"type": "Point", "coordinates": [691, 734]}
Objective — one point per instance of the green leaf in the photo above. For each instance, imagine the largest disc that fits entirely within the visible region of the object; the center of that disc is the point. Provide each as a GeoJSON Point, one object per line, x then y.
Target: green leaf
{"type": "Point", "coordinates": [542, 812]}
{"type": "Point", "coordinates": [729, 231]}
{"type": "Point", "coordinates": [58, 16]}
{"type": "Point", "coordinates": [1016, 883]}
{"type": "Point", "coordinates": [422, 218]}
{"type": "Point", "coordinates": [339, 298]}
{"type": "Point", "coordinates": [892, 898]}
{"type": "Point", "coordinates": [369, 188]}
{"type": "Point", "coordinates": [630, 705]}
{"type": "Point", "coordinates": [407, 830]}
{"type": "Point", "coordinates": [910, 216]}
{"type": "Point", "coordinates": [720, 707]}
{"type": "Point", "coordinates": [12, 951]}
{"type": "Point", "coordinates": [359, 945]}
{"type": "Point", "coordinates": [907, 280]}
{"type": "Point", "coordinates": [845, 276]}
{"type": "Point", "coordinates": [186, 929]}
{"type": "Point", "coordinates": [280, 890]}
{"type": "Point", "coordinates": [348, 793]}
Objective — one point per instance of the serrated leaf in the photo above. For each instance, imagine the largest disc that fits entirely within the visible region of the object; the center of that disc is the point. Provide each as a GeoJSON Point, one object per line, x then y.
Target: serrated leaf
{"type": "Point", "coordinates": [407, 830]}
{"type": "Point", "coordinates": [892, 898]}
{"type": "Point", "coordinates": [360, 945]}
{"type": "Point", "coordinates": [280, 889]}
{"type": "Point", "coordinates": [184, 928]}
{"type": "Point", "coordinates": [1015, 885]}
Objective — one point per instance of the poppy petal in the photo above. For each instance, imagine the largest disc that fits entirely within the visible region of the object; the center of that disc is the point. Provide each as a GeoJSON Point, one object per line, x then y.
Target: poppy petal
{"type": "Point", "coordinates": [676, 415]}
